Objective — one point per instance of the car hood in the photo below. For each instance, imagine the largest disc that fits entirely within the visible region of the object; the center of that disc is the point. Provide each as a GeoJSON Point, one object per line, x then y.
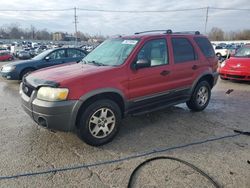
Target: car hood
{"type": "Point", "coordinates": [234, 61]}
{"type": "Point", "coordinates": [68, 72]}
{"type": "Point", "coordinates": [20, 63]}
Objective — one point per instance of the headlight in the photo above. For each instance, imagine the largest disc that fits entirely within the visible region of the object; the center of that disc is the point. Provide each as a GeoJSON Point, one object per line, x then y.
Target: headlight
{"type": "Point", "coordinates": [52, 94]}
{"type": "Point", "coordinates": [8, 68]}
{"type": "Point", "coordinates": [223, 64]}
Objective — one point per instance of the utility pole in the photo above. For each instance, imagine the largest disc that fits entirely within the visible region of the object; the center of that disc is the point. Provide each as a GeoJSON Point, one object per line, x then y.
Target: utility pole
{"type": "Point", "coordinates": [206, 20]}
{"type": "Point", "coordinates": [75, 22]}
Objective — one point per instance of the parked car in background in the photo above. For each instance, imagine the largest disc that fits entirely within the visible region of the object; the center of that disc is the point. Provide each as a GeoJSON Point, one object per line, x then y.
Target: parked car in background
{"type": "Point", "coordinates": [231, 49]}
{"type": "Point", "coordinates": [5, 56]}
{"type": "Point", "coordinates": [237, 67]}
{"type": "Point", "coordinates": [123, 76]}
{"type": "Point", "coordinates": [220, 51]}
{"type": "Point", "coordinates": [3, 49]}
{"type": "Point", "coordinates": [16, 70]}
{"type": "Point", "coordinates": [24, 54]}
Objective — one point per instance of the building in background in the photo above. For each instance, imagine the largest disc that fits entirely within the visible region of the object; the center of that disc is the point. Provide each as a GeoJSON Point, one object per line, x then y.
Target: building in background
{"type": "Point", "coordinates": [58, 36]}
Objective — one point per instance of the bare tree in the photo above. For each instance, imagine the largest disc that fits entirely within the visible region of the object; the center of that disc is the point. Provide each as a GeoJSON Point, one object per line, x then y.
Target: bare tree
{"type": "Point", "coordinates": [216, 34]}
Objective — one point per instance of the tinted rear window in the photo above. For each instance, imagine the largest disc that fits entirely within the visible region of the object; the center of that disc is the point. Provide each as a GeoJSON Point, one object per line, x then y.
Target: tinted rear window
{"type": "Point", "coordinates": [205, 46]}
{"type": "Point", "coordinates": [183, 50]}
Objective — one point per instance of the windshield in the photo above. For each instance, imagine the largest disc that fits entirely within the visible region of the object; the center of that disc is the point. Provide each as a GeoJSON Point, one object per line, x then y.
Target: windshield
{"type": "Point", "coordinates": [243, 52]}
{"type": "Point", "coordinates": [42, 55]}
{"type": "Point", "coordinates": [111, 52]}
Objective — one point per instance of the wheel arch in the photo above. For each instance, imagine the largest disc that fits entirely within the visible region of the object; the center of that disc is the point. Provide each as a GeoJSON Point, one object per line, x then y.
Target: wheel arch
{"type": "Point", "coordinates": [25, 69]}
{"type": "Point", "coordinates": [205, 77]}
{"type": "Point", "coordinates": [112, 94]}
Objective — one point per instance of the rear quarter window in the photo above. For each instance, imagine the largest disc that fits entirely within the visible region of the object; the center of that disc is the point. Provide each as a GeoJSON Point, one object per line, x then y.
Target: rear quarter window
{"type": "Point", "coordinates": [205, 46]}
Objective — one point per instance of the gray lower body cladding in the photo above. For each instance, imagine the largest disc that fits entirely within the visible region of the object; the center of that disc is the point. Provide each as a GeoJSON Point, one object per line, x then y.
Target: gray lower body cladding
{"type": "Point", "coordinates": [52, 115]}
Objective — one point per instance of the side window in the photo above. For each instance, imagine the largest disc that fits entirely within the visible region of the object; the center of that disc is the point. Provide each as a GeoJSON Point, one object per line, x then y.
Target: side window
{"type": "Point", "coordinates": [75, 53]}
{"type": "Point", "coordinates": [155, 52]}
{"type": "Point", "coordinates": [183, 50]}
{"type": "Point", "coordinates": [58, 54]}
{"type": "Point", "coordinates": [218, 47]}
{"type": "Point", "coordinates": [205, 46]}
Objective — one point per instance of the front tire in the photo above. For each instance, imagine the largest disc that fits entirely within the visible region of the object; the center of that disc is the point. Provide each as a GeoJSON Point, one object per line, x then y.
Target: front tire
{"type": "Point", "coordinates": [200, 97]}
{"type": "Point", "coordinates": [99, 122]}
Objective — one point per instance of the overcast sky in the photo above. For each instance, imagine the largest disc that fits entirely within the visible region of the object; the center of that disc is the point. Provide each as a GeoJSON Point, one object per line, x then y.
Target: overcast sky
{"type": "Point", "coordinates": [107, 23]}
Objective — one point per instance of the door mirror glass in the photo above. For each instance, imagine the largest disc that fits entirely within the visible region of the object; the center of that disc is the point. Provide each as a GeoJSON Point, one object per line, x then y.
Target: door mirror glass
{"type": "Point", "coordinates": [47, 58]}
{"type": "Point", "coordinates": [141, 63]}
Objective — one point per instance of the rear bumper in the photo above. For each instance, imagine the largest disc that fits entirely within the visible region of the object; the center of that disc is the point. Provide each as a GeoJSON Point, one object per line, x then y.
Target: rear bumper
{"type": "Point", "coordinates": [52, 115]}
{"type": "Point", "coordinates": [235, 75]}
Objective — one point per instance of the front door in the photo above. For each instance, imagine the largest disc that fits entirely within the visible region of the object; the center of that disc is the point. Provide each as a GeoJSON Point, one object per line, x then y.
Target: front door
{"type": "Point", "coordinates": [152, 80]}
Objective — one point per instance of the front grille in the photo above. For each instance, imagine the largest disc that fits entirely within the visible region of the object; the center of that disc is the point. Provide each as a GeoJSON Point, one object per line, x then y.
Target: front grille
{"type": "Point", "coordinates": [27, 89]}
{"type": "Point", "coordinates": [235, 76]}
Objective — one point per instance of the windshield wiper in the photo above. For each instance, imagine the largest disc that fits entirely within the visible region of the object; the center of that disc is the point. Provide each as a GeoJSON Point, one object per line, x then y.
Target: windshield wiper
{"type": "Point", "coordinates": [92, 62]}
{"type": "Point", "coordinates": [83, 61]}
{"type": "Point", "coordinates": [96, 63]}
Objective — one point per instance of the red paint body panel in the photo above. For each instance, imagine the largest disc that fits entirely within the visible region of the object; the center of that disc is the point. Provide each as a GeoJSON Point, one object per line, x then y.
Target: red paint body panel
{"type": "Point", "coordinates": [236, 68]}
{"type": "Point", "coordinates": [5, 57]}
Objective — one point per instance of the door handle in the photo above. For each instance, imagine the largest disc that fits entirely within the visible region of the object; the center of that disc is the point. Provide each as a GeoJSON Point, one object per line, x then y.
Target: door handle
{"type": "Point", "coordinates": [165, 72]}
{"type": "Point", "coordinates": [194, 67]}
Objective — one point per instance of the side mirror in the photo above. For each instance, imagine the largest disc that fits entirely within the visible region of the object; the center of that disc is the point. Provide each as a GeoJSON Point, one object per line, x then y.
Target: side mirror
{"type": "Point", "coordinates": [141, 63]}
{"type": "Point", "coordinates": [47, 58]}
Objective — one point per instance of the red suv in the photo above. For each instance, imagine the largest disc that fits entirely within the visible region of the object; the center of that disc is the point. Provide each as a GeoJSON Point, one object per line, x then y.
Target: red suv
{"type": "Point", "coordinates": [123, 76]}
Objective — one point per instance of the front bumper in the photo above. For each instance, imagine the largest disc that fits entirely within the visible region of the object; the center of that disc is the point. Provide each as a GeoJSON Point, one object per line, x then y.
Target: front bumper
{"type": "Point", "coordinates": [234, 74]}
{"type": "Point", "coordinates": [10, 75]}
{"type": "Point", "coordinates": [52, 115]}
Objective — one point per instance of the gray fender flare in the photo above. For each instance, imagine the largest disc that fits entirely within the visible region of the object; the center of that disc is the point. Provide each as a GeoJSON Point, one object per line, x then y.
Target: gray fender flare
{"type": "Point", "coordinates": [88, 95]}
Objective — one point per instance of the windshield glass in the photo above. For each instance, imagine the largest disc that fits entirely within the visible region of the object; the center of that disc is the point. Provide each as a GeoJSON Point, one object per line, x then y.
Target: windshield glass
{"type": "Point", "coordinates": [243, 52]}
{"type": "Point", "coordinates": [111, 52]}
{"type": "Point", "coordinates": [42, 55]}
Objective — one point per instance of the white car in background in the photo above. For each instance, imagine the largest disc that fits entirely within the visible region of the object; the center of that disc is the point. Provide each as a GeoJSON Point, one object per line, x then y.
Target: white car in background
{"type": "Point", "coordinates": [220, 51]}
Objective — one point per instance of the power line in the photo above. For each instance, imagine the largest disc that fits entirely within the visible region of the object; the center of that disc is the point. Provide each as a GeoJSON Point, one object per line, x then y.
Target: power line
{"type": "Point", "coordinates": [140, 11]}
{"type": "Point", "coordinates": [36, 10]}
{"type": "Point", "coordinates": [236, 9]}
{"type": "Point", "coordinates": [123, 11]}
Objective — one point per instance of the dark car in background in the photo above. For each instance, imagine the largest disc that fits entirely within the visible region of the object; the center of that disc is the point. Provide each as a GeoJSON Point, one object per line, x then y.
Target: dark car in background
{"type": "Point", "coordinates": [24, 55]}
{"type": "Point", "coordinates": [16, 70]}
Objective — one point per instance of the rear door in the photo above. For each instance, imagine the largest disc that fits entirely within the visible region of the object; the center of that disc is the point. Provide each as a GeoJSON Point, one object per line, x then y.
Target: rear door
{"type": "Point", "coordinates": [185, 62]}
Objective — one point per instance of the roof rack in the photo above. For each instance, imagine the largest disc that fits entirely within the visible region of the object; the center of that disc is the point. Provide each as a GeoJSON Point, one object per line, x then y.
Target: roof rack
{"type": "Point", "coordinates": [169, 31]}
{"type": "Point", "coordinates": [188, 32]}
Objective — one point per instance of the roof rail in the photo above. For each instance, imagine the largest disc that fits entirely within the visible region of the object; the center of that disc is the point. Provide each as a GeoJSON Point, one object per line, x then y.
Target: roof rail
{"type": "Point", "coordinates": [188, 32]}
{"type": "Point", "coordinates": [167, 31]}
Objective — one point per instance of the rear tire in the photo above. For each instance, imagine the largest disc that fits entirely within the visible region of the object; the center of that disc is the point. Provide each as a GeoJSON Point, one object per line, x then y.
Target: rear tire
{"type": "Point", "coordinates": [99, 122]}
{"type": "Point", "coordinates": [200, 97]}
